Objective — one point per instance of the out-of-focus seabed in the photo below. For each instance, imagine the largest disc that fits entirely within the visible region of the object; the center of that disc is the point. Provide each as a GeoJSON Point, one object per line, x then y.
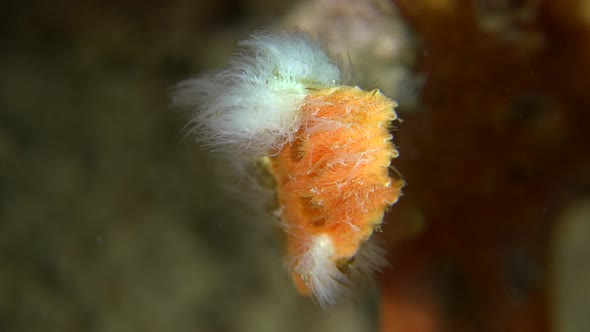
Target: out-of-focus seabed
{"type": "Point", "coordinates": [110, 221]}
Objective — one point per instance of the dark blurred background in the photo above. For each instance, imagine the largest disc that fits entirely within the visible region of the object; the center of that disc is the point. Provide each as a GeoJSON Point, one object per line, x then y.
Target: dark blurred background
{"type": "Point", "coordinates": [112, 220]}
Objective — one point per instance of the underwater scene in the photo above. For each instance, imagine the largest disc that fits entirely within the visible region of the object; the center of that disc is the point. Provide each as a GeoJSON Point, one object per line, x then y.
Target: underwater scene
{"type": "Point", "coordinates": [300, 165]}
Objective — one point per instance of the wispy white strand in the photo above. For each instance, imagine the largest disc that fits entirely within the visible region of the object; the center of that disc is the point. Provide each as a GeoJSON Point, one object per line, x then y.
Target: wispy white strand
{"type": "Point", "coordinates": [254, 105]}
{"type": "Point", "coordinates": [318, 269]}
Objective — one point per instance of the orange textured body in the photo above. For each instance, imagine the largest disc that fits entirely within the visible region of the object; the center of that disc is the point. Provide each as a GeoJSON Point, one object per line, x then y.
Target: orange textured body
{"type": "Point", "coordinates": [333, 179]}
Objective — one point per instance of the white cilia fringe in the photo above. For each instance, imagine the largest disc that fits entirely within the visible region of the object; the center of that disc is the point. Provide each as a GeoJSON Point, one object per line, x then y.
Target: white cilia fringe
{"type": "Point", "coordinates": [253, 106]}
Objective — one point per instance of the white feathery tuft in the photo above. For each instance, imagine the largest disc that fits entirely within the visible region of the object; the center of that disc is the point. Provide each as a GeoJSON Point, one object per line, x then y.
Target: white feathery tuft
{"type": "Point", "coordinates": [317, 268]}
{"type": "Point", "coordinates": [253, 106]}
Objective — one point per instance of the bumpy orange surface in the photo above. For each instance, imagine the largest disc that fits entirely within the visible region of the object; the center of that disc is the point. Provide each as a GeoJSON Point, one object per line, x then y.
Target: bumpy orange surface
{"type": "Point", "coordinates": [333, 178]}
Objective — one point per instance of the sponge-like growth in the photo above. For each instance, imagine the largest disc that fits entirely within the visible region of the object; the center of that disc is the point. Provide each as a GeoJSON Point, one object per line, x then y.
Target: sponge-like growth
{"type": "Point", "coordinates": [334, 186]}
{"type": "Point", "coordinates": [326, 146]}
